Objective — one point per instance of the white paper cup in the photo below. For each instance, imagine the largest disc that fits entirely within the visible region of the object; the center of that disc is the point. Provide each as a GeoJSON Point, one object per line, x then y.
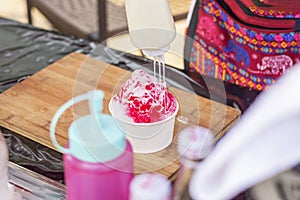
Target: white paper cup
{"type": "Point", "coordinates": [146, 137]}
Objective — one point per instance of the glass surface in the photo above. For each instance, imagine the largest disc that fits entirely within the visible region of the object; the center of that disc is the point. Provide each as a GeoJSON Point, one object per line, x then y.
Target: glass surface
{"type": "Point", "coordinates": [33, 186]}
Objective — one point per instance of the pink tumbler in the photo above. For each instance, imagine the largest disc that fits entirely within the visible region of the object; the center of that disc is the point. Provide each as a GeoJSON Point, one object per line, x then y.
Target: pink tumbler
{"type": "Point", "coordinates": [99, 160]}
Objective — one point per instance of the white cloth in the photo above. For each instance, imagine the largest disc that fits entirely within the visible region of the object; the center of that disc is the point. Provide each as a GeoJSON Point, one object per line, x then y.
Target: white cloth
{"type": "Point", "coordinates": [265, 142]}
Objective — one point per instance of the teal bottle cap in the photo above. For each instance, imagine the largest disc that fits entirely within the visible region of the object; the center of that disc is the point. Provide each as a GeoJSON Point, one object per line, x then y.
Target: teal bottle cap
{"type": "Point", "coordinates": [94, 137]}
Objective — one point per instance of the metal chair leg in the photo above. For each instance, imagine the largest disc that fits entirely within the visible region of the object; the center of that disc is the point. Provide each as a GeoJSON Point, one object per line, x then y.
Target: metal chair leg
{"type": "Point", "coordinates": [29, 7]}
{"type": "Point", "coordinates": [102, 20]}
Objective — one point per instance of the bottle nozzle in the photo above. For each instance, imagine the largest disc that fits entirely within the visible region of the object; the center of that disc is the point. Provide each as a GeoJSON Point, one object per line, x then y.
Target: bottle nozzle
{"type": "Point", "coordinates": [96, 102]}
{"type": "Point", "coordinates": [154, 53]}
{"type": "Point", "coordinates": [93, 137]}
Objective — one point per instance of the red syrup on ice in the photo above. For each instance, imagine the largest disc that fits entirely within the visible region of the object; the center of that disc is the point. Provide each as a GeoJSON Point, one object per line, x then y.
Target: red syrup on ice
{"type": "Point", "coordinates": [145, 99]}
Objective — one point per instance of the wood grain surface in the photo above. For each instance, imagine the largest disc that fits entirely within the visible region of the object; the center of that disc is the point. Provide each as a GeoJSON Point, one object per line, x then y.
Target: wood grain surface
{"type": "Point", "coordinates": [28, 107]}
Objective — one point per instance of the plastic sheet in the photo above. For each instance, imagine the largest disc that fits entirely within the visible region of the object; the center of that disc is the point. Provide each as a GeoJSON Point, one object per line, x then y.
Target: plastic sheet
{"type": "Point", "coordinates": [25, 50]}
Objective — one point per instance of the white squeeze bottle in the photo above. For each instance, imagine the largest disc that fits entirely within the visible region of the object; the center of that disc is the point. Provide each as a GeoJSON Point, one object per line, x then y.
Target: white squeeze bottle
{"type": "Point", "coordinates": [151, 25]}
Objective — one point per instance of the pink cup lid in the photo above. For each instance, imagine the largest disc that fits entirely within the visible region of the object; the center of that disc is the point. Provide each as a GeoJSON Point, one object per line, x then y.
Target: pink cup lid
{"type": "Point", "coordinates": [150, 186]}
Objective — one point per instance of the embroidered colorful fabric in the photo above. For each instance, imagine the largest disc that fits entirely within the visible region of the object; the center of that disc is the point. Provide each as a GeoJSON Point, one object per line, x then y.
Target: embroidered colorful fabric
{"type": "Point", "coordinates": [274, 8]}
{"type": "Point", "coordinates": [250, 57]}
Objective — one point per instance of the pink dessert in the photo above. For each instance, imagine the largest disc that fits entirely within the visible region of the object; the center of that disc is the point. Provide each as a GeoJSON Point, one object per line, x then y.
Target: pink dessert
{"type": "Point", "coordinates": [144, 99]}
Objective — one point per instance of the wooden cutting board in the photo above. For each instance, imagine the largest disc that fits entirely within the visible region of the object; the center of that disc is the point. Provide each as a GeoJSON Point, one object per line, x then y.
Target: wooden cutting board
{"type": "Point", "coordinates": [28, 107]}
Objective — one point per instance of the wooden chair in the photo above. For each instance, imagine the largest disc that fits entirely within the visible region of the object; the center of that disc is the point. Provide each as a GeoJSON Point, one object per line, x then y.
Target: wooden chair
{"type": "Point", "coordinates": [93, 19]}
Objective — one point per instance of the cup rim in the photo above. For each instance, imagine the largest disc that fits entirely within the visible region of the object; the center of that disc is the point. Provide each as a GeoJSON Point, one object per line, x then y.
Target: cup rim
{"type": "Point", "coordinates": [143, 123]}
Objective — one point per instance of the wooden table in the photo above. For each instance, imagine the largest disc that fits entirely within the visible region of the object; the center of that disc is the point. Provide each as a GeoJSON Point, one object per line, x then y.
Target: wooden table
{"type": "Point", "coordinates": [28, 107]}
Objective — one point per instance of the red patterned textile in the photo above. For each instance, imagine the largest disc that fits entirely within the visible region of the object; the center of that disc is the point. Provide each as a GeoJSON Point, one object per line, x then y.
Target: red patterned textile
{"type": "Point", "coordinates": [244, 42]}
